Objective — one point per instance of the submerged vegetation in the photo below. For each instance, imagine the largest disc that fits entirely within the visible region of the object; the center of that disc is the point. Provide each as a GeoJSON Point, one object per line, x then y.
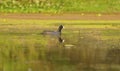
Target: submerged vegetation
{"type": "Point", "coordinates": [59, 6]}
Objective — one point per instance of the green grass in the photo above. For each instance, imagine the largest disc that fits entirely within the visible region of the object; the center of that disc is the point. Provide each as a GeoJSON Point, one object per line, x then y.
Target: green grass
{"type": "Point", "coordinates": [60, 6]}
{"type": "Point", "coordinates": [56, 22]}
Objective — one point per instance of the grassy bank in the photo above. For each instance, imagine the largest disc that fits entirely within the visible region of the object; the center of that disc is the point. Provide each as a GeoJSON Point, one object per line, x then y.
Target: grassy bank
{"type": "Point", "coordinates": [59, 6]}
{"type": "Point", "coordinates": [4, 21]}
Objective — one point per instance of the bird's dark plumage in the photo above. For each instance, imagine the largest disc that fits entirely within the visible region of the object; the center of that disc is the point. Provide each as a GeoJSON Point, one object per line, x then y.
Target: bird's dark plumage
{"type": "Point", "coordinates": [55, 33]}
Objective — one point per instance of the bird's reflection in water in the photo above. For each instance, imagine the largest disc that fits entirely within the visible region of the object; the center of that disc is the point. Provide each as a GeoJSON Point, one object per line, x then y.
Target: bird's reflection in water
{"type": "Point", "coordinates": [60, 40]}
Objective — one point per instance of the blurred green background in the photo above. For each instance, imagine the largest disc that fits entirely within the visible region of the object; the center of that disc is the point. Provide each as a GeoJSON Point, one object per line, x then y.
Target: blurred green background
{"type": "Point", "coordinates": [59, 6]}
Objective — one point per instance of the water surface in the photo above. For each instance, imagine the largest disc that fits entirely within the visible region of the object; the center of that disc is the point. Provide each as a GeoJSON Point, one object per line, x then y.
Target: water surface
{"type": "Point", "coordinates": [83, 49]}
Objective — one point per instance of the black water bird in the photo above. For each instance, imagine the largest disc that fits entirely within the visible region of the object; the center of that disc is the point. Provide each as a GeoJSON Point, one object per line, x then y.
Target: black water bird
{"type": "Point", "coordinates": [55, 33]}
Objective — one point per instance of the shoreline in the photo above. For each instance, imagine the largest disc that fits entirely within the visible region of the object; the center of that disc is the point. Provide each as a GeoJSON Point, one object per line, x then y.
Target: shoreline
{"type": "Point", "coordinates": [65, 16]}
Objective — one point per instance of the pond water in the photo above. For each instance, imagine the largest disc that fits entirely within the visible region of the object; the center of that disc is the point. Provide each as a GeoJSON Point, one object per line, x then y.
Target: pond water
{"type": "Point", "coordinates": [83, 49]}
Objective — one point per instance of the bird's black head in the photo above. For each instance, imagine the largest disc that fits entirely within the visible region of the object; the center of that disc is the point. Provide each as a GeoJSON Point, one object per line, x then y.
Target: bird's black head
{"type": "Point", "coordinates": [60, 28]}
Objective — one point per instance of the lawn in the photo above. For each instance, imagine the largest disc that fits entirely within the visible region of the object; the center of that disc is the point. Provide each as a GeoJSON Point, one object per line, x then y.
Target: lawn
{"type": "Point", "coordinates": [60, 6]}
